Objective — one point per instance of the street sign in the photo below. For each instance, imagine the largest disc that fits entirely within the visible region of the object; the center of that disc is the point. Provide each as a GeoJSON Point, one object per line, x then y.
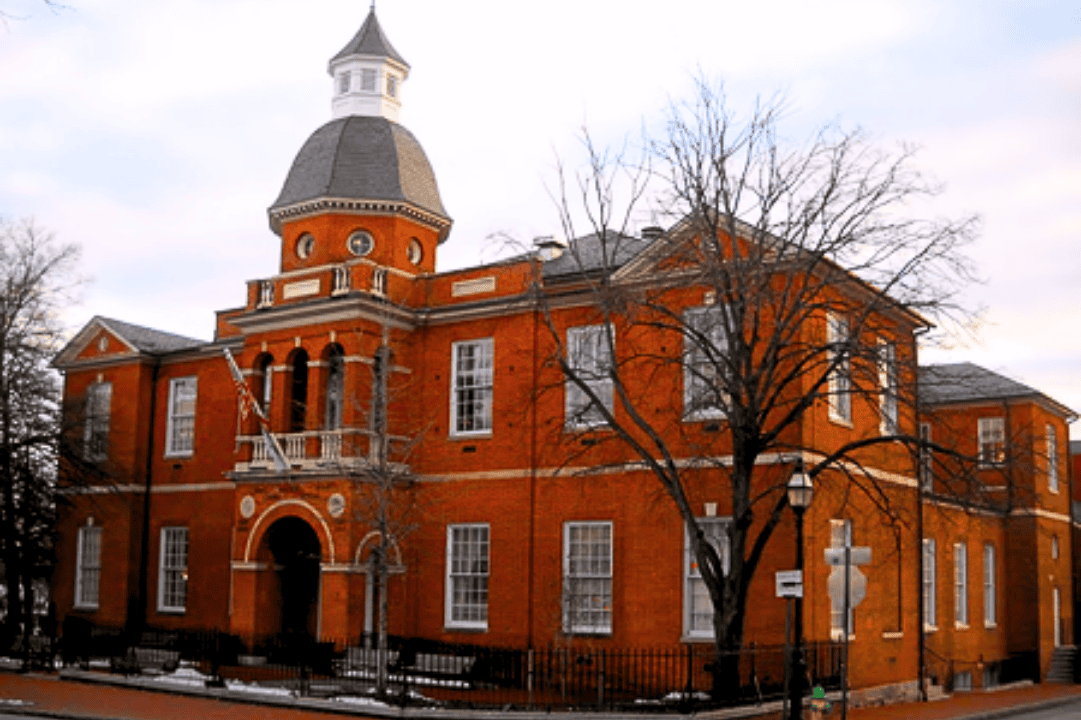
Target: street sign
{"type": "Point", "coordinates": [857, 588]}
{"type": "Point", "coordinates": [859, 555]}
{"type": "Point", "coordinates": [790, 583]}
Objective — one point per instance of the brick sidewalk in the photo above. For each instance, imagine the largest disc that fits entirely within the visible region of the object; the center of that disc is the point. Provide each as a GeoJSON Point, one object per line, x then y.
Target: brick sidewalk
{"type": "Point", "coordinates": [51, 696]}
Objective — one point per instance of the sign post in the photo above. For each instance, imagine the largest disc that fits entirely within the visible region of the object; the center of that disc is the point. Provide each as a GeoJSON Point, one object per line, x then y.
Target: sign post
{"type": "Point", "coordinates": [789, 585]}
{"type": "Point", "coordinates": [849, 594]}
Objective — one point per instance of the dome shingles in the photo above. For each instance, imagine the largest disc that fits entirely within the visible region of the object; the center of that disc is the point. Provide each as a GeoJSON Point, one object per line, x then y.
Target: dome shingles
{"type": "Point", "coordinates": [362, 158]}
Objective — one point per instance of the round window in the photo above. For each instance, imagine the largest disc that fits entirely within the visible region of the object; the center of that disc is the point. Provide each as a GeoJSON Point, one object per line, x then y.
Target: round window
{"type": "Point", "coordinates": [361, 243]}
{"type": "Point", "coordinates": [415, 252]}
{"type": "Point", "coordinates": [305, 245]}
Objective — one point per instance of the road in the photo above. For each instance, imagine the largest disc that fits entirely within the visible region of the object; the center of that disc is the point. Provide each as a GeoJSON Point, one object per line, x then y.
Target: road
{"type": "Point", "coordinates": [1062, 712]}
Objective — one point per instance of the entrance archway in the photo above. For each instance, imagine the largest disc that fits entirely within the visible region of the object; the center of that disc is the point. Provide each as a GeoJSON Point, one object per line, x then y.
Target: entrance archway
{"type": "Point", "coordinates": [296, 552]}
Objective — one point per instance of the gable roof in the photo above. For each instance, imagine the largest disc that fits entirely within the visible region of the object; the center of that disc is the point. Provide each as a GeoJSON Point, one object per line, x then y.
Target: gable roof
{"type": "Point", "coordinates": [589, 253]}
{"type": "Point", "coordinates": [137, 338]}
{"type": "Point", "coordinates": [148, 340]}
{"type": "Point", "coordinates": [370, 40]}
{"type": "Point", "coordinates": [968, 382]}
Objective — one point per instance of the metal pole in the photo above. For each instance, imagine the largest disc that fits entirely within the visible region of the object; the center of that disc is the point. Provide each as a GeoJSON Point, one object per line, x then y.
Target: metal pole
{"type": "Point", "coordinates": [795, 706]}
{"type": "Point", "coordinates": [787, 657]}
{"type": "Point", "coordinates": [847, 611]}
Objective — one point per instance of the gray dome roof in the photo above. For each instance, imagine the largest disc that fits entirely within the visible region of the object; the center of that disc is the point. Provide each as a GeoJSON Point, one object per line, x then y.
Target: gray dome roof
{"type": "Point", "coordinates": [362, 158]}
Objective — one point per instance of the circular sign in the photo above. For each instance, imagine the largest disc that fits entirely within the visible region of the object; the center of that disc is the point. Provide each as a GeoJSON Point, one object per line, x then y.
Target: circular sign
{"type": "Point", "coordinates": [336, 505]}
{"type": "Point", "coordinates": [247, 506]}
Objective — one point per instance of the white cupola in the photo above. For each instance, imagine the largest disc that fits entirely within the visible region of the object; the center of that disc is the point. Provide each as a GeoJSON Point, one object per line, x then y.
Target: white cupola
{"type": "Point", "coordinates": [368, 74]}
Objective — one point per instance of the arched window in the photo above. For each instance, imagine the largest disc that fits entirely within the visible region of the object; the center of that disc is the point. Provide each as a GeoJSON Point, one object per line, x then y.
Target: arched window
{"type": "Point", "coordinates": [335, 377]}
{"type": "Point", "coordinates": [298, 407]}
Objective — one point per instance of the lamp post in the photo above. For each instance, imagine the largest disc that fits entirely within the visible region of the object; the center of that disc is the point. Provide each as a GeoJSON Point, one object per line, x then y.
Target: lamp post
{"type": "Point", "coordinates": [800, 493]}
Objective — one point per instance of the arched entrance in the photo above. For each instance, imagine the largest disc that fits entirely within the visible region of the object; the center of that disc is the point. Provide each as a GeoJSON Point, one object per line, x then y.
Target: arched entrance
{"type": "Point", "coordinates": [295, 550]}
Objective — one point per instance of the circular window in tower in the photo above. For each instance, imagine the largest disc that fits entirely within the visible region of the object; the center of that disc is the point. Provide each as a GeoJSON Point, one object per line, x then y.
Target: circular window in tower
{"type": "Point", "coordinates": [415, 252]}
{"type": "Point", "coordinates": [361, 243]}
{"type": "Point", "coordinates": [305, 245]}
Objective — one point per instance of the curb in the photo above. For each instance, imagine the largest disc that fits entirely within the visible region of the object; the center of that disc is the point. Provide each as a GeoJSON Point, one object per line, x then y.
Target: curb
{"type": "Point", "coordinates": [376, 711]}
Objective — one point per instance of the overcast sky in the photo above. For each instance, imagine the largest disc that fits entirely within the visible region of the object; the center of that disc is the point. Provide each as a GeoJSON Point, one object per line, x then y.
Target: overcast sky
{"type": "Point", "coordinates": [155, 134]}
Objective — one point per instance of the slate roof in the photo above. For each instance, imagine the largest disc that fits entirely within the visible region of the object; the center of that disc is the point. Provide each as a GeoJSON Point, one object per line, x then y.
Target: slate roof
{"type": "Point", "coordinates": [362, 158]}
{"type": "Point", "coordinates": [588, 253]}
{"type": "Point", "coordinates": [370, 40]}
{"type": "Point", "coordinates": [1075, 447]}
{"type": "Point", "coordinates": [148, 340]}
{"type": "Point", "coordinates": [961, 382]}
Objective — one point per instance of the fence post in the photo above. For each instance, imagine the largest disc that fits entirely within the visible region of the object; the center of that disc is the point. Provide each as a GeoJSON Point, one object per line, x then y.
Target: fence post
{"type": "Point", "coordinates": [600, 678]}
{"type": "Point", "coordinates": [529, 675]}
{"type": "Point", "coordinates": [690, 675]}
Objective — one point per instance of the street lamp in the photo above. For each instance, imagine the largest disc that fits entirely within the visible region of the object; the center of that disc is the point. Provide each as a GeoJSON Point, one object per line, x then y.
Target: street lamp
{"type": "Point", "coordinates": [800, 493]}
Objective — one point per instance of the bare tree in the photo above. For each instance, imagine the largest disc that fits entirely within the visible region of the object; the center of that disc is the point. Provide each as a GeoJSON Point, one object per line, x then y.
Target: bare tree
{"type": "Point", "coordinates": [53, 5]}
{"type": "Point", "coordinates": [812, 276]}
{"type": "Point", "coordinates": [36, 282]}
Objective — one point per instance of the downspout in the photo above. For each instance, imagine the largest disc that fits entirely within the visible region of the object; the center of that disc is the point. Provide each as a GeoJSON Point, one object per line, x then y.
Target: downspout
{"type": "Point", "coordinates": [139, 621]}
{"type": "Point", "coordinates": [533, 462]}
{"type": "Point", "coordinates": [920, 610]}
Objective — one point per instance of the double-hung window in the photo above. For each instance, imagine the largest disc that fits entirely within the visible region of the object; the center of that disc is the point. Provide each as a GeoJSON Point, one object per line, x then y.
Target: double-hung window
{"type": "Point", "coordinates": [960, 585]}
{"type": "Point", "coordinates": [467, 576]}
{"type": "Point", "coordinates": [1052, 458]}
{"type": "Point", "coordinates": [180, 430]}
{"type": "Point", "coordinates": [96, 429]}
{"type": "Point", "coordinates": [992, 441]}
{"type": "Point", "coordinates": [697, 605]}
{"type": "Point", "coordinates": [471, 396]}
{"type": "Point", "coordinates": [840, 537]}
{"type": "Point", "coordinates": [840, 369]}
{"type": "Point", "coordinates": [930, 618]}
{"type": "Point", "coordinates": [88, 568]}
{"type": "Point", "coordinates": [173, 570]}
{"type": "Point", "coordinates": [587, 577]}
{"type": "Point", "coordinates": [990, 619]}
{"type": "Point", "coordinates": [887, 381]}
{"type": "Point", "coordinates": [705, 346]}
{"type": "Point", "coordinates": [589, 355]}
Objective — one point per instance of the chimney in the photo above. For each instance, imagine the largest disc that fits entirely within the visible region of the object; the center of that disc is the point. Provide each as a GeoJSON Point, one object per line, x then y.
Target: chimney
{"type": "Point", "coordinates": [652, 232]}
{"type": "Point", "coordinates": [549, 247]}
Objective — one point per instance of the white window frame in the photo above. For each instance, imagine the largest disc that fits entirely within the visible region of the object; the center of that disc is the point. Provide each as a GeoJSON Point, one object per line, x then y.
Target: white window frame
{"type": "Point", "coordinates": [926, 469]}
{"type": "Point", "coordinates": [587, 591]}
{"type": "Point", "coordinates": [173, 570]}
{"type": "Point", "coordinates": [699, 372]}
{"type": "Point", "coordinates": [178, 419]}
{"type": "Point", "coordinates": [716, 531]}
{"type": "Point", "coordinates": [472, 374]}
{"type": "Point", "coordinates": [930, 614]}
{"type": "Point", "coordinates": [88, 567]}
{"type": "Point", "coordinates": [368, 79]}
{"type": "Point", "coordinates": [990, 598]}
{"type": "Point", "coordinates": [960, 585]}
{"type": "Point", "coordinates": [840, 536]}
{"type": "Point", "coordinates": [98, 414]}
{"type": "Point", "coordinates": [840, 375]}
{"type": "Point", "coordinates": [888, 408]}
{"type": "Point", "coordinates": [590, 357]}
{"type": "Point", "coordinates": [1051, 439]}
{"type": "Point", "coordinates": [344, 82]}
{"type": "Point", "coordinates": [991, 441]}
{"type": "Point", "coordinates": [468, 575]}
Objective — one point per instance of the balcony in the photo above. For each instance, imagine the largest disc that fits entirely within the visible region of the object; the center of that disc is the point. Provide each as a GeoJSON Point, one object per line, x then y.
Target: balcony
{"type": "Point", "coordinates": [342, 450]}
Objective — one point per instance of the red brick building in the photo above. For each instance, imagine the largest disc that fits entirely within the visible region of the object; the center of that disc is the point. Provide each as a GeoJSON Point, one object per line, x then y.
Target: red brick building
{"type": "Point", "coordinates": [358, 332]}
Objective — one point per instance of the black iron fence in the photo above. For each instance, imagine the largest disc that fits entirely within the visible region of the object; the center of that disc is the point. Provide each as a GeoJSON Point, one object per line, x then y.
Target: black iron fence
{"type": "Point", "coordinates": [412, 671]}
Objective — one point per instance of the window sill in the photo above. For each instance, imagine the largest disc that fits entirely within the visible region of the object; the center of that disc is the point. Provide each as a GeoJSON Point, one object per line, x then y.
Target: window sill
{"type": "Point", "coordinates": [930, 628]}
{"type": "Point", "coordinates": [696, 639]}
{"type": "Point", "coordinates": [589, 632]}
{"type": "Point", "coordinates": [838, 420]}
{"type": "Point", "coordinates": [171, 611]}
{"type": "Point", "coordinates": [960, 626]}
{"type": "Point", "coordinates": [179, 455]}
{"type": "Point", "coordinates": [892, 635]}
{"type": "Point", "coordinates": [470, 629]}
{"type": "Point", "coordinates": [480, 435]}
{"type": "Point", "coordinates": [837, 635]}
{"type": "Point", "coordinates": [85, 608]}
{"type": "Point", "coordinates": [990, 626]}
